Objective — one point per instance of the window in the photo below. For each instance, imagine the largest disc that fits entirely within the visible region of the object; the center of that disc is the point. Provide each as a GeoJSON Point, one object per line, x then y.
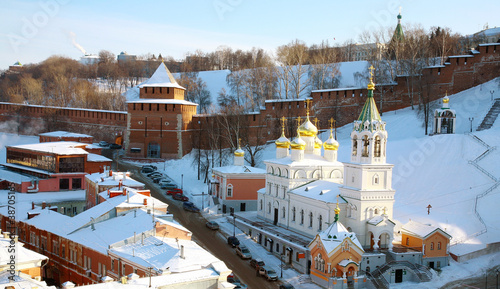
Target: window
{"type": "Point", "coordinates": [55, 247]}
{"type": "Point", "coordinates": [320, 223]}
{"type": "Point", "coordinates": [302, 217]}
{"type": "Point", "coordinates": [230, 190]}
{"type": "Point", "coordinates": [310, 220]}
{"type": "Point", "coordinates": [63, 251]}
{"type": "Point", "coordinates": [261, 204]}
{"type": "Point", "coordinates": [112, 265]}
{"type": "Point", "coordinates": [269, 208]}
{"type": "Point", "coordinates": [375, 179]}
{"type": "Point", "coordinates": [283, 211]}
{"type": "Point", "coordinates": [354, 146]}
{"type": "Point", "coordinates": [366, 142]}
{"type": "Point", "coordinates": [377, 147]}
{"type": "Point", "coordinates": [439, 245]}
{"type": "Point", "coordinates": [407, 241]}
{"type": "Point", "coordinates": [293, 214]}
{"type": "Point", "coordinates": [432, 245]}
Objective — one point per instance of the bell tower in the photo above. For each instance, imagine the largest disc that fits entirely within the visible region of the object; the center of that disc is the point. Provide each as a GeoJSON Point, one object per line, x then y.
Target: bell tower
{"type": "Point", "coordinates": [368, 179]}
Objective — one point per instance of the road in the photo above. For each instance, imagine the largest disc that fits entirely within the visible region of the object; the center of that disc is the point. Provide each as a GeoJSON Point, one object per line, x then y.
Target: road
{"type": "Point", "coordinates": [213, 241]}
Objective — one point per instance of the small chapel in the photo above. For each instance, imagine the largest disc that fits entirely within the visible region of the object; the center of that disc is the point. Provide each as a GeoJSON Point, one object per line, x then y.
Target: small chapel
{"type": "Point", "coordinates": [445, 118]}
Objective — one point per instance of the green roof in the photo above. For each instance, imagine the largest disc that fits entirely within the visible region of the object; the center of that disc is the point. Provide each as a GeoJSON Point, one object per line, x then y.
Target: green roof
{"type": "Point", "coordinates": [369, 112]}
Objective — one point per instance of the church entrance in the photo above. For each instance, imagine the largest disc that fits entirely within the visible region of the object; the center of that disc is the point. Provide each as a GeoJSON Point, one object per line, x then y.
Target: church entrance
{"type": "Point", "coordinates": [275, 222]}
{"type": "Point", "coordinates": [399, 276]}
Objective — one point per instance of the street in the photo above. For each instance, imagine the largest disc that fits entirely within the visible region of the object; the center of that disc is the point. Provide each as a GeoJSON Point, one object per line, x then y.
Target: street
{"type": "Point", "coordinates": [208, 239]}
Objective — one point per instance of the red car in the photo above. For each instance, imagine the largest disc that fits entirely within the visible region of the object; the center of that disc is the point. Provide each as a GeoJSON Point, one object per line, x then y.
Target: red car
{"type": "Point", "coordinates": [180, 197]}
{"type": "Point", "coordinates": [174, 191]}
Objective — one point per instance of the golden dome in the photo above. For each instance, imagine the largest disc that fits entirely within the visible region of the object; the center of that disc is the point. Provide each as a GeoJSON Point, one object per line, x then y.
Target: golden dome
{"type": "Point", "coordinates": [331, 143]}
{"type": "Point", "coordinates": [239, 152]}
{"type": "Point", "coordinates": [298, 143]}
{"type": "Point", "coordinates": [317, 143]}
{"type": "Point", "coordinates": [337, 209]}
{"type": "Point", "coordinates": [282, 142]}
{"type": "Point", "coordinates": [446, 99]}
{"type": "Point", "coordinates": [371, 85]}
{"type": "Point", "coordinates": [307, 128]}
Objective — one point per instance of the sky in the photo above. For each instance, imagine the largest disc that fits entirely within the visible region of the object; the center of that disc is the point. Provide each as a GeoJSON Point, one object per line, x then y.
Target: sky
{"type": "Point", "coordinates": [32, 31]}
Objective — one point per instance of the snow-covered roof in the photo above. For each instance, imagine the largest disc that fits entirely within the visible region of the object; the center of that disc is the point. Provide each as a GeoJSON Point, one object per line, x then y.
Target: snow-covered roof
{"type": "Point", "coordinates": [61, 133]}
{"type": "Point", "coordinates": [23, 255]}
{"type": "Point", "coordinates": [58, 148]}
{"type": "Point", "coordinates": [421, 230]}
{"type": "Point", "coordinates": [66, 108]}
{"type": "Point", "coordinates": [285, 100]}
{"type": "Point", "coordinates": [14, 177]}
{"type": "Point", "coordinates": [163, 101]}
{"type": "Point", "coordinates": [97, 158]}
{"type": "Point", "coordinates": [162, 253]}
{"type": "Point", "coordinates": [22, 281]}
{"type": "Point", "coordinates": [335, 234]}
{"type": "Point", "coordinates": [458, 56]}
{"type": "Point", "coordinates": [245, 170]}
{"type": "Point", "coordinates": [346, 262]}
{"type": "Point", "coordinates": [339, 89]}
{"type": "Point", "coordinates": [309, 160]}
{"type": "Point", "coordinates": [104, 179]}
{"type": "Point", "coordinates": [161, 78]}
{"type": "Point", "coordinates": [320, 190]}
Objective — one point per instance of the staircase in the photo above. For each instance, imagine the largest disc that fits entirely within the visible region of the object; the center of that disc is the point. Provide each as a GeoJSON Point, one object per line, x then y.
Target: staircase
{"type": "Point", "coordinates": [492, 115]}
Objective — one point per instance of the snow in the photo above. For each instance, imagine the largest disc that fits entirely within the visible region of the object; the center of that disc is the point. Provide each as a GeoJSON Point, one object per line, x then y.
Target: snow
{"type": "Point", "coordinates": [319, 190]}
{"type": "Point", "coordinates": [97, 158]}
{"type": "Point", "coordinates": [427, 170]}
{"type": "Point", "coordinates": [61, 133]}
{"type": "Point", "coordinates": [163, 101]}
{"type": "Point", "coordinates": [335, 234]}
{"type": "Point", "coordinates": [161, 78]}
{"type": "Point", "coordinates": [421, 230]}
{"type": "Point", "coordinates": [23, 255]}
{"type": "Point", "coordinates": [239, 170]}
{"type": "Point", "coordinates": [59, 148]}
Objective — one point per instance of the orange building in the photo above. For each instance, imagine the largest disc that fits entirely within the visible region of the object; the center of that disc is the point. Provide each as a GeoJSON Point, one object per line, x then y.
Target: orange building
{"type": "Point", "coordinates": [430, 240]}
{"type": "Point", "coordinates": [336, 256]}
{"type": "Point", "coordinates": [51, 166]}
{"type": "Point", "coordinates": [160, 121]}
{"type": "Point", "coordinates": [236, 186]}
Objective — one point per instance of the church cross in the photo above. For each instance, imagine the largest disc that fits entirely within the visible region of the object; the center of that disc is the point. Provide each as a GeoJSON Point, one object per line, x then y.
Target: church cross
{"type": "Point", "coordinates": [316, 121]}
{"type": "Point", "coordinates": [371, 71]}
{"type": "Point", "coordinates": [298, 120]}
{"type": "Point", "coordinates": [283, 119]}
{"type": "Point", "coordinates": [308, 105]}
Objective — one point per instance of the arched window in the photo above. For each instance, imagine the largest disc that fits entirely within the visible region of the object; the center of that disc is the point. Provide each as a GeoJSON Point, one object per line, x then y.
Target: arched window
{"type": "Point", "coordinates": [407, 241]}
{"type": "Point", "coordinates": [370, 213]}
{"type": "Point", "coordinates": [376, 211]}
{"type": "Point", "coordinates": [320, 222]}
{"type": "Point", "coordinates": [439, 245]}
{"type": "Point", "coordinates": [378, 147]}
{"type": "Point", "coordinates": [375, 179]}
{"type": "Point", "coordinates": [277, 189]}
{"type": "Point", "coordinates": [230, 190]}
{"type": "Point", "coordinates": [432, 245]}
{"type": "Point", "coordinates": [302, 217]}
{"type": "Point", "coordinates": [269, 208]}
{"type": "Point", "coordinates": [293, 214]}
{"type": "Point", "coordinates": [284, 192]}
{"type": "Point", "coordinates": [283, 212]}
{"type": "Point", "coordinates": [366, 142]}
{"type": "Point", "coordinates": [310, 219]}
{"type": "Point", "coordinates": [354, 146]}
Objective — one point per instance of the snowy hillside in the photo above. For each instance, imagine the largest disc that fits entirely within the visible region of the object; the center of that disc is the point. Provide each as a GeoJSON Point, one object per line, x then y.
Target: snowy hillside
{"type": "Point", "coordinates": [216, 80]}
{"type": "Point", "coordinates": [431, 170]}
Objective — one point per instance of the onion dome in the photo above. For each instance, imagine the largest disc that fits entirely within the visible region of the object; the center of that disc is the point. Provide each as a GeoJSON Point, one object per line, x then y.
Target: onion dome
{"type": "Point", "coordinates": [331, 143]}
{"type": "Point", "coordinates": [298, 143]}
{"type": "Point", "coordinates": [282, 142]}
{"type": "Point", "coordinates": [317, 143]}
{"type": "Point", "coordinates": [308, 128]}
{"type": "Point", "coordinates": [446, 99]}
{"type": "Point", "coordinates": [239, 152]}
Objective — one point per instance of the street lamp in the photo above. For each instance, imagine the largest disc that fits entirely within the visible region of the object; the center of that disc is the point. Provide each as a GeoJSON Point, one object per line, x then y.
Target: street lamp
{"type": "Point", "coordinates": [281, 259]}
{"type": "Point", "coordinates": [492, 91]}
{"type": "Point", "coordinates": [471, 119]}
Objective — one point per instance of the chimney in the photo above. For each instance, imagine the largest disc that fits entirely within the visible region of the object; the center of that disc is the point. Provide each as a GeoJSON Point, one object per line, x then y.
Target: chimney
{"type": "Point", "coordinates": [110, 173]}
{"type": "Point", "coordinates": [182, 252]}
{"type": "Point", "coordinates": [43, 205]}
{"type": "Point", "coordinates": [120, 184]}
{"type": "Point", "coordinates": [145, 203]}
{"type": "Point", "coordinates": [32, 205]}
{"type": "Point", "coordinates": [124, 191]}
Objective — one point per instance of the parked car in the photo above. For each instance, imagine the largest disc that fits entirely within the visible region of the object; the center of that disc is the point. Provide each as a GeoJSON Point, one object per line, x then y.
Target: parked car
{"type": "Point", "coordinates": [268, 273]}
{"type": "Point", "coordinates": [147, 170]}
{"type": "Point", "coordinates": [180, 197]}
{"type": "Point", "coordinates": [243, 252]}
{"type": "Point", "coordinates": [286, 286]}
{"type": "Point", "coordinates": [165, 181]}
{"type": "Point", "coordinates": [103, 144]}
{"type": "Point", "coordinates": [154, 174]}
{"type": "Point", "coordinates": [257, 263]}
{"type": "Point", "coordinates": [157, 180]}
{"type": "Point", "coordinates": [189, 206]}
{"type": "Point", "coordinates": [149, 166]}
{"type": "Point", "coordinates": [174, 191]}
{"type": "Point", "coordinates": [240, 285]}
{"type": "Point", "coordinates": [168, 186]}
{"type": "Point", "coordinates": [233, 241]}
{"type": "Point", "coordinates": [212, 225]}
{"type": "Point", "coordinates": [115, 146]}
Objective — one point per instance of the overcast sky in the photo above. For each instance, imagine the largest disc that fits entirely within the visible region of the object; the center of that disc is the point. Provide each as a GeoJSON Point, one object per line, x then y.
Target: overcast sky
{"type": "Point", "coordinates": [34, 30]}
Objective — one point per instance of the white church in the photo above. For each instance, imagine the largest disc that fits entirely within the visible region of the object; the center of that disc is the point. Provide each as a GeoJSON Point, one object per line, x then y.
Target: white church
{"type": "Point", "coordinates": [302, 185]}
